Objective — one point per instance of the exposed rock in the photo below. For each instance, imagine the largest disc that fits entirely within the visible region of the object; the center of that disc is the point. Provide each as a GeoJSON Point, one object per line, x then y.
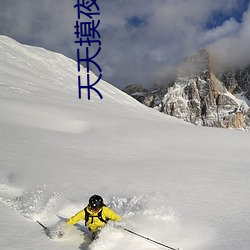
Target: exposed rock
{"type": "Point", "coordinates": [201, 97]}
{"type": "Point", "coordinates": [133, 88]}
{"type": "Point", "coordinates": [137, 91]}
{"type": "Point", "coordinates": [237, 81]}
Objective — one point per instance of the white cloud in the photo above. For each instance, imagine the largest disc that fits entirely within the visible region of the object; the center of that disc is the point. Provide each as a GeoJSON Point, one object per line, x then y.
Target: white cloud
{"type": "Point", "coordinates": [228, 28]}
{"type": "Point", "coordinates": [170, 31]}
{"type": "Point", "coordinates": [233, 50]}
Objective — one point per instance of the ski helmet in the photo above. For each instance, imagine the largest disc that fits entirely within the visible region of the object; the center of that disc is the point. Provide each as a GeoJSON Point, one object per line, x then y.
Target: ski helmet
{"type": "Point", "coordinates": [96, 202]}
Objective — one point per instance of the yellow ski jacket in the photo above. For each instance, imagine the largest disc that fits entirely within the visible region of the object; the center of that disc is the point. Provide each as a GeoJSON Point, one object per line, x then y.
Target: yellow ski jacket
{"type": "Point", "coordinates": [94, 223]}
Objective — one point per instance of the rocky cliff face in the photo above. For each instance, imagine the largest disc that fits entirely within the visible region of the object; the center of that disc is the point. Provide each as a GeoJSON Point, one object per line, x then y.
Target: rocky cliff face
{"type": "Point", "coordinates": [237, 81]}
{"type": "Point", "coordinates": [201, 97]}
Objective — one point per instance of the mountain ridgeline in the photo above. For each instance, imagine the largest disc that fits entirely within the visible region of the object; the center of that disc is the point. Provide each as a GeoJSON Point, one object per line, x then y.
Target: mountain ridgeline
{"type": "Point", "coordinates": [201, 95]}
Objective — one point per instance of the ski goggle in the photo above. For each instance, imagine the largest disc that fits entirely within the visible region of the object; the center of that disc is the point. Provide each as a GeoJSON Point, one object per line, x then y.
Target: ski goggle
{"type": "Point", "coordinates": [94, 208]}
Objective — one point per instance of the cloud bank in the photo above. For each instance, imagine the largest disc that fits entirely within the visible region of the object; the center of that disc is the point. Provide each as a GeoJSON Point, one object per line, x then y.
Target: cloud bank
{"type": "Point", "coordinates": [142, 40]}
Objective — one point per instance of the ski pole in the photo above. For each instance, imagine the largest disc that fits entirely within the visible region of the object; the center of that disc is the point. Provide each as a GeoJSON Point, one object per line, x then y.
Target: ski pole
{"type": "Point", "coordinates": [146, 238]}
{"type": "Point", "coordinates": [45, 228]}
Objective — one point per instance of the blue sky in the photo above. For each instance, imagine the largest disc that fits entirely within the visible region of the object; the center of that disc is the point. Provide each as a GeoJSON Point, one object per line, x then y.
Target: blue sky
{"type": "Point", "coordinates": [142, 41]}
{"type": "Point", "coordinates": [218, 17]}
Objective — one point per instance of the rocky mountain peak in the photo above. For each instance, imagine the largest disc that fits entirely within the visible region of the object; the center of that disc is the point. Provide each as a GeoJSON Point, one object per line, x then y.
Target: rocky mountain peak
{"type": "Point", "coordinates": [196, 64]}
{"type": "Point", "coordinates": [201, 97]}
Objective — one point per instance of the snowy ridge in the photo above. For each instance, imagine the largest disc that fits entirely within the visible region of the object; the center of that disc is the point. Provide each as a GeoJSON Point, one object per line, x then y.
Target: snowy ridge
{"type": "Point", "coordinates": [179, 184]}
{"type": "Point", "coordinates": [39, 71]}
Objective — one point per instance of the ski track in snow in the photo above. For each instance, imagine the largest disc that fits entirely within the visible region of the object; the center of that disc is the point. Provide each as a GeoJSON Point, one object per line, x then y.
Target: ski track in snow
{"type": "Point", "coordinates": [145, 214]}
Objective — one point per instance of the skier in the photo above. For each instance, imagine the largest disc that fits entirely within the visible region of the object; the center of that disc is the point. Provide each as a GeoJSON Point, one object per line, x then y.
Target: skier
{"type": "Point", "coordinates": [95, 214]}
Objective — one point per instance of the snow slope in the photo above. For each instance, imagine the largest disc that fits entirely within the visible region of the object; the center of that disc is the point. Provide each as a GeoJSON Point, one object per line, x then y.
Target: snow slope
{"type": "Point", "coordinates": [173, 182]}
